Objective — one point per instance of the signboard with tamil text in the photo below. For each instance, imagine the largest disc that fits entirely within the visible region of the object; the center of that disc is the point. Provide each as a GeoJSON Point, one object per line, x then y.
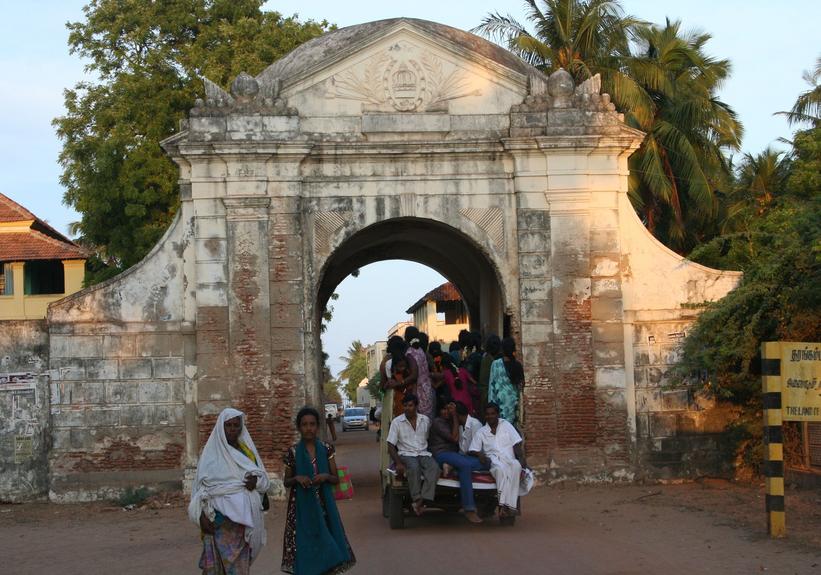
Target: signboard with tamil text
{"type": "Point", "coordinates": [800, 381]}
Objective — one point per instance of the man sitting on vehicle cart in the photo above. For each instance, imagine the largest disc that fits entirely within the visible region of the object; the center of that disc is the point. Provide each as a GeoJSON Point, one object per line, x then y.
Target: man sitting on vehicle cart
{"type": "Point", "coordinates": [444, 444]}
{"type": "Point", "coordinates": [498, 445]}
{"type": "Point", "coordinates": [408, 448]}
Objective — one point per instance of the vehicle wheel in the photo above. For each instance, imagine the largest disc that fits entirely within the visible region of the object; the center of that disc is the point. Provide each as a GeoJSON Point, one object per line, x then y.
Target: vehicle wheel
{"type": "Point", "coordinates": [396, 515]}
{"type": "Point", "coordinates": [386, 503]}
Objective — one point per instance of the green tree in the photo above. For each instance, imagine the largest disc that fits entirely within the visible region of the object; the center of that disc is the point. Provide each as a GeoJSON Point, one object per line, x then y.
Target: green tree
{"type": "Point", "coordinates": [147, 59]}
{"type": "Point", "coordinates": [330, 391]}
{"type": "Point", "coordinates": [585, 37]}
{"type": "Point", "coordinates": [356, 368]}
{"type": "Point", "coordinates": [760, 178]}
{"type": "Point", "coordinates": [774, 237]}
{"type": "Point", "coordinates": [779, 250]}
{"type": "Point", "coordinates": [681, 163]}
{"type": "Point", "coordinates": [665, 85]}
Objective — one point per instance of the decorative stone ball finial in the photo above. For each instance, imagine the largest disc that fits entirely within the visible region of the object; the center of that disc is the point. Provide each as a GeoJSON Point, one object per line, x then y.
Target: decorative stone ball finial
{"type": "Point", "coordinates": [244, 86]}
{"type": "Point", "coordinates": [561, 86]}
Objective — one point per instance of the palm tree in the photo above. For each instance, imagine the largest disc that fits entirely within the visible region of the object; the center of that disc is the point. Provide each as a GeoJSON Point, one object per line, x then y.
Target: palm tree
{"type": "Point", "coordinates": [759, 179]}
{"type": "Point", "coordinates": [676, 171]}
{"type": "Point", "coordinates": [807, 107]}
{"type": "Point", "coordinates": [664, 83]}
{"type": "Point", "coordinates": [571, 34]}
{"type": "Point", "coordinates": [584, 37]}
{"type": "Point", "coordinates": [356, 367]}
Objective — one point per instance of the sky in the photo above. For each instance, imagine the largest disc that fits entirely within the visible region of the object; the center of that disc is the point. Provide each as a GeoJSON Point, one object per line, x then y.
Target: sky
{"type": "Point", "coordinates": [769, 44]}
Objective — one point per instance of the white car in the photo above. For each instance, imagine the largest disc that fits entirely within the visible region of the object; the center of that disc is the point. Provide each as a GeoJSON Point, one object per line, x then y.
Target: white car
{"type": "Point", "coordinates": [355, 418]}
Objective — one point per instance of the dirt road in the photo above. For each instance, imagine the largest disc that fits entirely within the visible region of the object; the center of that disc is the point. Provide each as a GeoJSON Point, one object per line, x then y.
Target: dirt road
{"type": "Point", "coordinates": [687, 529]}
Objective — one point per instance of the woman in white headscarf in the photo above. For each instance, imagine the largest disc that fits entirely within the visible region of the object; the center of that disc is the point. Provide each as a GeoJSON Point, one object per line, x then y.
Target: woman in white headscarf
{"type": "Point", "coordinates": [226, 498]}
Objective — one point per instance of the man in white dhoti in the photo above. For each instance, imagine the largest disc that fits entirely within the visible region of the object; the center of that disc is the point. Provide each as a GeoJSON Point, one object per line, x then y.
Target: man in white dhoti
{"type": "Point", "coordinates": [498, 445]}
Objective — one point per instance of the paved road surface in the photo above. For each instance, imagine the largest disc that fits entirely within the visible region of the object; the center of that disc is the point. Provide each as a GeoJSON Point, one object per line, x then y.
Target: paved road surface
{"type": "Point", "coordinates": [587, 531]}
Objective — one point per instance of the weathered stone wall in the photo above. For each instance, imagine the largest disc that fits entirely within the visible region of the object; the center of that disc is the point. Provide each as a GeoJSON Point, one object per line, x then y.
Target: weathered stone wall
{"type": "Point", "coordinates": [25, 431]}
{"type": "Point", "coordinates": [678, 433]}
{"type": "Point", "coordinates": [117, 380]}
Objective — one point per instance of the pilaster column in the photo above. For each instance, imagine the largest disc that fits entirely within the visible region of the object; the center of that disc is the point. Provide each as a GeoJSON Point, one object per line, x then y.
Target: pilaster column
{"type": "Point", "coordinates": [249, 315]}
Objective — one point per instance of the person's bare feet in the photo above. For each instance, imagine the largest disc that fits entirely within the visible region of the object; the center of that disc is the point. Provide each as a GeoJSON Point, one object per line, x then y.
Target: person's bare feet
{"type": "Point", "coordinates": [418, 507]}
{"type": "Point", "coordinates": [473, 517]}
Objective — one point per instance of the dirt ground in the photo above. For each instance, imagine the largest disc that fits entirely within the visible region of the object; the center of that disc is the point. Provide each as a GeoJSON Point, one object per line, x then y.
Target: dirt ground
{"type": "Point", "coordinates": [705, 527]}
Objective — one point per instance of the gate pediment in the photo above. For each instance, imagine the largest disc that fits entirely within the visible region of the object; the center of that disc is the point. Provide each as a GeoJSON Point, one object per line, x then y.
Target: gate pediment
{"type": "Point", "coordinates": [399, 66]}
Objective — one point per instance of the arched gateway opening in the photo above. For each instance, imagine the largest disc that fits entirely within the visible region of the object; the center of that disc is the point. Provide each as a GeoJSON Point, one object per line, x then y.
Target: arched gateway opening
{"type": "Point", "coordinates": [431, 243]}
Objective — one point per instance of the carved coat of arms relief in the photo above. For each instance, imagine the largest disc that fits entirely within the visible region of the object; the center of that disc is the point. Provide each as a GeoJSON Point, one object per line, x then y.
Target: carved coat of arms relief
{"type": "Point", "coordinates": [403, 79]}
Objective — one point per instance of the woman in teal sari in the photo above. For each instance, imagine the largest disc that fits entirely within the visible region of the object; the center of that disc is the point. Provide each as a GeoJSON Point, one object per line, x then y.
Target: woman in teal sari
{"type": "Point", "coordinates": [506, 381]}
{"type": "Point", "coordinates": [314, 541]}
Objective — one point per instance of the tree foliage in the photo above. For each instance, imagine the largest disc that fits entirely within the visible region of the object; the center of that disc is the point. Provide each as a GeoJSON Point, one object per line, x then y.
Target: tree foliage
{"type": "Point", "coordinates": [330, 391]}
{"type": "Point", "coordinates": [356, 368]}
{"type": "Point", "coordinates": [663, 81]}
{"type": "Point", "coordinates": [807, 107]}
{"type": "Point", "coordinates": [147, 59]}
{"type": "Point", "coordinates": [681, 163]}
{"type": "Point", "coordinates": [775, 239]}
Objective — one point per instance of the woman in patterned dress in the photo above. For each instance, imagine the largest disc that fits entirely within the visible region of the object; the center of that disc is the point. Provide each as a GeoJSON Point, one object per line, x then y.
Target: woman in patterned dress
{"type": "Point", "coordinates": [424, 384]}
{"type": "Point", "coordinates": [507, 378]}
{"type": "Point", "coordinates": [314, 542]}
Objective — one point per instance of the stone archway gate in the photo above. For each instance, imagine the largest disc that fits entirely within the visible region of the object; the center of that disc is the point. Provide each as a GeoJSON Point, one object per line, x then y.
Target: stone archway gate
{"type": "Point", "coordinates": [384, 123]}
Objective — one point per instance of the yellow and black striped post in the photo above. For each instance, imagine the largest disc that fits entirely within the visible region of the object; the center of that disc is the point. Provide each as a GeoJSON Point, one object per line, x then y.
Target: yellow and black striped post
{"type": "Point", "coordinates": [773, 438]}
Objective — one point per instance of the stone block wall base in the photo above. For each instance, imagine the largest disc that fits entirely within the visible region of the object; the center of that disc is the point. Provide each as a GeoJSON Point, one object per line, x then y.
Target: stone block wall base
{"type": "Point", "coordinates": [109, 485]}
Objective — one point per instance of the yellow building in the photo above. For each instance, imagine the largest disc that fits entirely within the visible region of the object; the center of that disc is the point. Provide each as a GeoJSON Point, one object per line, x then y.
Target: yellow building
{"type": "Point", "coordinates": [38, 265]}
{"type": "Point", "coordinates": [441, 314]}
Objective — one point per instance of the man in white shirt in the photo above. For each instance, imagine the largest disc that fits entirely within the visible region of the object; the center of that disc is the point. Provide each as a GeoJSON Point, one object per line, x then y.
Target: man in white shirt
{"type": "Point", "coordinates": [468, 426]}
{"type": "Point", "coordinates": [499, 445]}
{"type": "Point", "coordinates": [408, 448]}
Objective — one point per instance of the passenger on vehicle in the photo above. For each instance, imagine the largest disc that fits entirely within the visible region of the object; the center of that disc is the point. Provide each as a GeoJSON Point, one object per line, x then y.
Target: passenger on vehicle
{"type": "Point", "coordinates": [468, 426]}
{"type": "Point", "coordinates": [408, 448]}
{"type": "Point", "coordinates": [396, 375]}
{"type": "Point", "coordinates": [493, 351]}
{"type": "Point", "coordinates": [459, 383]}
{"type": "Point", "coordinates": [444, 444]}
{"type": "Point", "coordinates": [455, 351]}
{"type": "Point", "coordinates": [401, 372]}
{"type": "Point", "coordinates": [474, 359]}
{"type": "Point", "coordinates": [436, 381]}
{"type": "Point", "coordinates": [507, 377]}
{"type": "Point", "coordinates": [465, 346]}
{"type": "Point", "coordinates": [499, 446]}
{"type": "Point", "coordinates": [435, 362]}
{"type": "Point", "coordinates": [424, 385]}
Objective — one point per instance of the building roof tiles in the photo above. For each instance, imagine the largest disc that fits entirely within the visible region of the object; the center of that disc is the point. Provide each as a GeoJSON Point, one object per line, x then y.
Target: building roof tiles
{"type": "Point", "coordinates": [445, 292]}
{"type": "Point", "coordinates": [39, 242]}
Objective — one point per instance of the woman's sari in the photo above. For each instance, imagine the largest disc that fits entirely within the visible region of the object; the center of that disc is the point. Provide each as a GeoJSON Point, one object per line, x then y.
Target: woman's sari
{"type": "Point", "coordinates": [502, 392]}
{"type": "Point", "coordinates": [424, 386]}
{"type": "Point", "coordinates": [315, 541]}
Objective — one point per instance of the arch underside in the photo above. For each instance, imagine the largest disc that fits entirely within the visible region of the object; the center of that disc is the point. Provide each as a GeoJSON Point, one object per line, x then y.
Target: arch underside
{"type": "Point", "coordinates": [429, 243]}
